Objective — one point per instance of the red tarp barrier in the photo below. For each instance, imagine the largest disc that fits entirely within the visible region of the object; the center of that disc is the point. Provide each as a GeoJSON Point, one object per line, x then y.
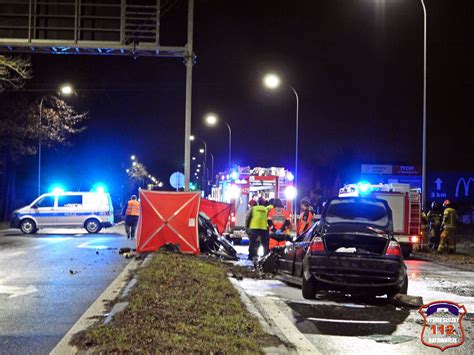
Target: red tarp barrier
{"type": "Point", "coordinates": [218, 212]}
{"type": "Point", "coordinates": [168, 217]}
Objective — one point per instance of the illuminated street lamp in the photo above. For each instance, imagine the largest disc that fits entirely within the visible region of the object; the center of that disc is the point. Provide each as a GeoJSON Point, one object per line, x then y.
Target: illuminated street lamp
{"type": "Point", "coordinates": [211, 119]}
{"type": "Point", "coordinates": [199, 165]}
{"type": "Point", "coordinates": [132, 157]}
{"type": "Point", "coordinates": [272, 82]}
{"type": "Point", "coordinates": [202, 151]}
{"type": "Point", "coordinates": [194, 158]}
{"type": "Point", "coordinates": [191, 137]}
{"type": "Point", "coordinates": [65, 90]}
{"type": "Point", "coordinates": [160, 184]}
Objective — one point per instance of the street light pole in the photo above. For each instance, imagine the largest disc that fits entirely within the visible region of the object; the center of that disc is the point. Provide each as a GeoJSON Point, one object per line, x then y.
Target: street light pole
{"type": "Point", "coordinates": [189, 60]}
{"type": "Point", "coordinates": [212, 168]}
{"type": "Point", "coordinates": [296, 150]}
{"type": "Point", "coordinates": [230, 145]}
{"type": "Point", "coordinates": [39, 145]}
{"type": "Point", "coordinates": [423, 169]}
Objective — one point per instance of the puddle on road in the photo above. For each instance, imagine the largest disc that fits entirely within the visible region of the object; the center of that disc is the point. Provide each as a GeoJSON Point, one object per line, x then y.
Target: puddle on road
{"type": "Point", "coordinates": [347, 321]}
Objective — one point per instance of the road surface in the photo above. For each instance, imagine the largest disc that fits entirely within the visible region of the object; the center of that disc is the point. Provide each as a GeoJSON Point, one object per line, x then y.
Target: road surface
{"type": "Point", "coordinates": [48, 280]}
{"type": "Point", "coordinates": [338, 324]}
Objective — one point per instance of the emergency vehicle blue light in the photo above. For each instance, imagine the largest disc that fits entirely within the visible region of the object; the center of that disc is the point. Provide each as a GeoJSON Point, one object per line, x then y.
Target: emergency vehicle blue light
{"type": "Point", "coordinates": [234, 175]}
{"type": "Point", "coordinates": [364, 187]}
{"type": "Point", "coordinates": [290, 176]}
{"type": "Point", "coordinates": [100, 188]}
{"type": "Point", "coordinates": [57, 189]}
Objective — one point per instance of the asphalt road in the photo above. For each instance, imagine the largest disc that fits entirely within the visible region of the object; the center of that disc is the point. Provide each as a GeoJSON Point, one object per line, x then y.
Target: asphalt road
{"type": "Point", "coordinates": [48, 280]}
{"type": "Point", "coordinates": [339, 324]}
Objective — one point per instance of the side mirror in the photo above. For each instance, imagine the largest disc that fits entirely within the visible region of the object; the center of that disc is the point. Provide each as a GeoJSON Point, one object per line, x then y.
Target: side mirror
{"type": "Point", "coordinates": [35, 206]}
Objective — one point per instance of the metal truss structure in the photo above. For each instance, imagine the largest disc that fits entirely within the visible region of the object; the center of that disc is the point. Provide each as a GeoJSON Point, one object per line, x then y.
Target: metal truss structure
{"type": "Point", "coordinates": [88, 27]}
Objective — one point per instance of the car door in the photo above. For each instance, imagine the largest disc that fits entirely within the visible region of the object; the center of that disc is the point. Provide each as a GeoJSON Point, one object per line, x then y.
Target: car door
{"type": "Point", "coordinates": [44, 211]}
{"type": "Point", "coordinates": [300, 248]}
{"type": "Point", "coordinates": [70, 210]}
{"type": "Point", "coordinates": [289, 258]}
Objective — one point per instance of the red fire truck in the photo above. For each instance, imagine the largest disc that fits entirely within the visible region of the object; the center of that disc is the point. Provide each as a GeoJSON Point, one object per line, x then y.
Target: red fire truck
{"type": "Point", "coordinates": [405, 204]}
{"type": "Point", "coordinates": [243, 184]}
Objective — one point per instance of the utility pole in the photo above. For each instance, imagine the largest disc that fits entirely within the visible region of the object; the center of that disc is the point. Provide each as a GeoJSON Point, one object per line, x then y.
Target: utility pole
{"type": "Point", "coordinates": [424, 191]}
{"type": "Point", "coordinates": [189, 62]}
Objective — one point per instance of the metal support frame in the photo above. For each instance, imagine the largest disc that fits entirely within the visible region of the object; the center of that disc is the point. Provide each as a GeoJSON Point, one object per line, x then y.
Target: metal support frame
{"type": "Point", "coordinates": [135, 32]}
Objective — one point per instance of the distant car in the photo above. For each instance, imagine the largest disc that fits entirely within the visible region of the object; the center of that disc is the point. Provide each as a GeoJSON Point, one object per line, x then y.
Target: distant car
{"type": "Point", "coordinates": [352, 249]}
{"type": "Point", "coordinates": [90, 210]}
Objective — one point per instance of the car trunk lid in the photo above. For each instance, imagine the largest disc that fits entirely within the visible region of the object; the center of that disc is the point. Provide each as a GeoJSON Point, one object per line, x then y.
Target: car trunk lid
{"type": "Point", "coordinates": [355, 243]}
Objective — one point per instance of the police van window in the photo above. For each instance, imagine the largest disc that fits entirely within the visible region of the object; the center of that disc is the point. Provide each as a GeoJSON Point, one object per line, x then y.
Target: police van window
{"type": "Point", "coordinates": [47, 201]}
{"type": "Point", "coordinates": [70, 201]}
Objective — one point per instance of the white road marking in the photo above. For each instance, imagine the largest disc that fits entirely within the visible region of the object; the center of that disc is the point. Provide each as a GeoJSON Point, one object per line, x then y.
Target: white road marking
{"type": "Point", "coordinates": [349, 321]}
{"type": "Point", "coordinates": [87, 245]}
{"type": "Point", "coordinates": [16, 291]}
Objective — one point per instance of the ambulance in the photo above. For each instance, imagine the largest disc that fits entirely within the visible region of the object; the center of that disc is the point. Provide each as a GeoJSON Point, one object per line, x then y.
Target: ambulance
{"type": "Point", "coordinates": [405, 204]}
{"type": "Point", "coordinates": [243, 184]}
{"type": "Point", "coordinates": [58, 209]}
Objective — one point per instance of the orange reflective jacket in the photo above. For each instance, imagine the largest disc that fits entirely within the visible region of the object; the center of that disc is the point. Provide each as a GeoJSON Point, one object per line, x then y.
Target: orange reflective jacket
{"type": "Point", "coordinates": [279, 217]}
{"type": "Point", "coordinates": [305, 221]}
{"type": "Point", "coordinates": [133, 208]}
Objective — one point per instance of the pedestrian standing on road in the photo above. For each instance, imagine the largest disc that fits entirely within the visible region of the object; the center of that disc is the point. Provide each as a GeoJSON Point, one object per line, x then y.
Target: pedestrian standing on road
{"type": "Point", "coordinates": [132, 213]}
{"type": "Point", "coordinates": [279, 222]}
{"type": "Point", "coordinates": [257, 227]}
{"type": "Point", "coordinates": [448, 227]}
{"type": "Point", "coordinates": [434, 217]}
{"type": "Point", "coordinates": [305, 220]}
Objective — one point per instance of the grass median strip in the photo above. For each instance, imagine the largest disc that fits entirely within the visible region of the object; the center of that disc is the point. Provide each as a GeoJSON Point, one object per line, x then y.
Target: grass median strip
{"type": "Point", "coordinates": [181, 303]}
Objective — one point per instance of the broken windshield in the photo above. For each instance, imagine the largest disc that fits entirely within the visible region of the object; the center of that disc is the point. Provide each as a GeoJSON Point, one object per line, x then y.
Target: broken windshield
{"type": "Point", "coordinates": [352, 210]}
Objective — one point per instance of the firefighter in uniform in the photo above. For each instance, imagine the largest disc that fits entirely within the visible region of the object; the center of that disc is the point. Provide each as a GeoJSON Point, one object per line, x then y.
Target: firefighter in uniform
{"type": "Point", "coordinates": [279, 224]}
{"type": "Point", "coordinates": [448, 227]}
{"type": "Point", "coordinates": [305, 220]}
{"type": "Point", "coordinates": [434, 217]}
{"type": "Point", "coordinates": [424, 232]}
{"type": "Point", "coordinates": [132, 212]}
{"type": "Point", "coordinates": [257, 226]}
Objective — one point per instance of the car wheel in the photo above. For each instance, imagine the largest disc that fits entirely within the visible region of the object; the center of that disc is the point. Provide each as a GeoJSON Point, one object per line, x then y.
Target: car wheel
{"type": "Point", "coordinates": [309, 288]}
{"type": "Point", "coordinates": [403, 289]}
{"type": "Point", "coordinates": [28, 226]}
{"type": "Point", "coordinates": [92, 225]}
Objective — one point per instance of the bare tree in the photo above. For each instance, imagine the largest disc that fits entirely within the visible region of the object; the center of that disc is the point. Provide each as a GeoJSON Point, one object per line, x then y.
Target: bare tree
{"type": "Point", "coordinates": [13, 72]}
{"type": "Point", "coordinates": [21, 129]}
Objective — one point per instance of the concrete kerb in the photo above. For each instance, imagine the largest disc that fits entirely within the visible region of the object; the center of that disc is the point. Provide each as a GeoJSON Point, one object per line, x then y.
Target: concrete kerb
{"type": "Point", "coordinates": [98, 308]}
{"type": "Point", "coordinates": [274, 322]}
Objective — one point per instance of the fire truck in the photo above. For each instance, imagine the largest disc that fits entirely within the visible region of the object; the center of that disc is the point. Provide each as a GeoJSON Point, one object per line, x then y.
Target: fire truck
{"type": "Point", "coordinates": [243, 184]}
{"type": "Point", "coordinates": [405, 204]}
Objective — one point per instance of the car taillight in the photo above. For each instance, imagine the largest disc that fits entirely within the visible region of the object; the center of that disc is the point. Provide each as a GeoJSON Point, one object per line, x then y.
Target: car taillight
{"type": "Point", "coordinates": [317, 245]}
{"type": "Point", "coordinates": [414, 239]}
{"type": "Point", "coordinates": [393, 249]}
{"type": "Point", "coordinates": [232, 219]}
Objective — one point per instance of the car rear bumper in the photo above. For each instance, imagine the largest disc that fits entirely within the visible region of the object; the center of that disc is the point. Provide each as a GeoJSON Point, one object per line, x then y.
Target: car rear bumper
{"type": "Point", "coordinates": [356, 271]}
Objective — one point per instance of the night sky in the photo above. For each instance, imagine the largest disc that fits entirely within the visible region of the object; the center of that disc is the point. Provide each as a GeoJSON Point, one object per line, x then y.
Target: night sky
{"type": "Point", "coordinates": [356, 64]}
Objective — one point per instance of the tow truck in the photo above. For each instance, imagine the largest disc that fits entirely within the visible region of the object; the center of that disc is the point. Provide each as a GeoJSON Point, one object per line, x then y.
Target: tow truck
{"type": "Point", "coordinates": [405, 204]}
{"type": "Point", "coordinates": [242, 184]}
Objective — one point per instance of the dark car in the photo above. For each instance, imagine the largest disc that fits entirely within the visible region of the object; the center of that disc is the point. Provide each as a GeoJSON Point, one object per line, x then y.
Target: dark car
{"type": "Point", "coordinates": [352, 249]}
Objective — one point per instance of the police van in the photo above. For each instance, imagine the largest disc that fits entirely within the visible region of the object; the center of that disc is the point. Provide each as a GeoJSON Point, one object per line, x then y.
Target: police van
{"type": "Point", "coordinates": [90, 210]}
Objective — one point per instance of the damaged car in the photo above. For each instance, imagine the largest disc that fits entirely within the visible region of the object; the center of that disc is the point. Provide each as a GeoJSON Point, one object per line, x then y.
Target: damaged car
{"type": "Point", "coordinates": [352, 249]}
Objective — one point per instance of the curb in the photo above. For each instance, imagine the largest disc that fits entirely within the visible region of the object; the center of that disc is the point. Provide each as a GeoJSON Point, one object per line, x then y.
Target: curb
{"type": "Point", "coordinates": [273, 321]}
{"type": "Point", "coordinates": [97, 308]}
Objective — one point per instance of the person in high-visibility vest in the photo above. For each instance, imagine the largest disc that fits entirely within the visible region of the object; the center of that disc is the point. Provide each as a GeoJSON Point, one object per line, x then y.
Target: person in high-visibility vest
{"type": "Point", "coordinates": [448, 234]}
{"type": "Point", "coordinates": [434, 223]}
{"type": "Point", "coordinates": [305, 220]}
{"type": "Point", "coordinates": [257, 227]}
{"type": "Point", "coordinates": [132, 213]}
{"type": "Point", "coordinates": [279, 222]}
